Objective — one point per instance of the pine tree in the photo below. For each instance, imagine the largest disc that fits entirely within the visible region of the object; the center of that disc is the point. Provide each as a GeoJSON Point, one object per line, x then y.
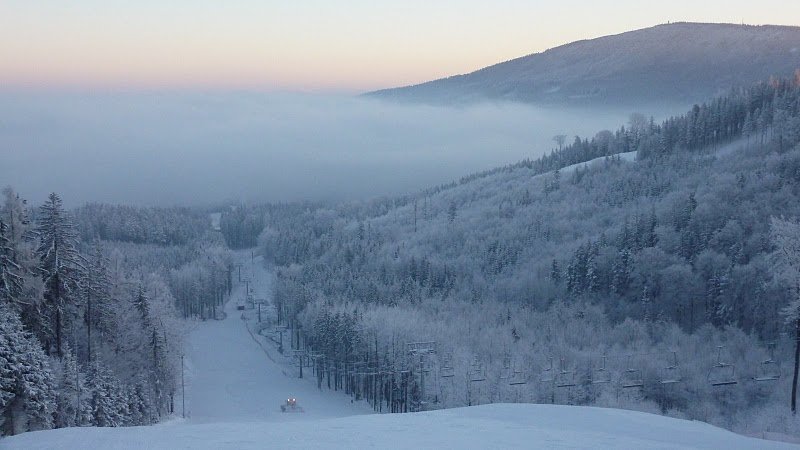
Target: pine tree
{"type": "Point", "coordinates": [20, 249]}
{"type": "Point", "coordinates": [452, 212]}
{"type": "Point", "coordinates": [139, 405]}
{"type": "Point", "coordinates": [555, 272]}
{"type": "Point", "coordinates": [72, 399]}
{"type": "Point", "coordinates": [60, 267]}
{"type": "Point", "coordinates": [96, 290]}
{"type": "Point", "coordinates": [786, 236]}
{"type": "Point", "coordinates": [621, 273]}
{"type": "Point", "coordinates": [108, 403]}
{"type": "Point", "coordinates": [10, 280]}
{"type": "Point", "coordinates": [7, 380]}
{"type": "Point", "coordinates": [26, 380]}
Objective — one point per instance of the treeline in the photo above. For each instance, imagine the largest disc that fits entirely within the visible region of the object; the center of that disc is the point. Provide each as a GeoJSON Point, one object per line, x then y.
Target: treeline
{"type": "Point", "coordinates": [743, 112]}
{"type": "Point", "coordinates": [671, 252]}
{"type": "Point", "coordinates": [178, 243]}
{"type": "Point", "coordinates": [241, 226]}
{"type": "Point", "coordinates": [91, 334]}
{"type": "Point", "coordinates": [140, 225]}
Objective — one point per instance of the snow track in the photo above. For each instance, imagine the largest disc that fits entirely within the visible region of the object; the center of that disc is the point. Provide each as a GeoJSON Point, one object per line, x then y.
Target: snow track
{"type": "Point", "coordinates": [231, 378]}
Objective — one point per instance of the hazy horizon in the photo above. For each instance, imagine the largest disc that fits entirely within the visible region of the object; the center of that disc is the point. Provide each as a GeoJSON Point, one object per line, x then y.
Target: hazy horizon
{"type": "Point", "coordinates": [164, 148]}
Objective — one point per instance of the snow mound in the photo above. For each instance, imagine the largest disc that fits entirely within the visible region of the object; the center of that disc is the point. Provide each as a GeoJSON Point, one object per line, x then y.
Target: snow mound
{"type": "Point", "coordinates": [487, 426]}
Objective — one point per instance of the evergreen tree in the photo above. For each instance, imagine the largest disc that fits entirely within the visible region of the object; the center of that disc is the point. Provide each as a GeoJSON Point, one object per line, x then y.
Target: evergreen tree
{"type": "Point", "coordinates": [10, 280]}
{"type": "Point", "coordinates": [27, 391]}
{"type": "Point", "coordinates": [60, 265]}
{"type": "Point", "coordinates": [108, 403]}
{"type": "Point", "coordinates": [20, 250]}
{"type": "Point", "coordinates": [139, 406]}
{"type": "Point", "coordinates": [72, 395]}
{"type": "Point", "coordinates": [96, 290]}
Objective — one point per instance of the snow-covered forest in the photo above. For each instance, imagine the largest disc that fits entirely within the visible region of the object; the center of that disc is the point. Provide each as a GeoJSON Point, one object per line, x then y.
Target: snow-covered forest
{"type": "Point", "coordinates": [91, 303]}
{"type": "Point", "coordinates": [655, 268]}
{"type": "Point", "coordinates": [585, 277]}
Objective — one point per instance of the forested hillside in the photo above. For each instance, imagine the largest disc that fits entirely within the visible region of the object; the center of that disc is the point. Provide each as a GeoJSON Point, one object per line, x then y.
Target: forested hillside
{"type": "Point", "coordinates": [647, 284]}
{"type": "Point", "coordinates": [90, 304]}
{"type": "Point", "coordinates": [675, 63]}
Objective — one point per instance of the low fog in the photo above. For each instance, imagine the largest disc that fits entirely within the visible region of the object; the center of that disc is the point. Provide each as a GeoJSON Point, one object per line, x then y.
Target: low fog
{"type": "Point", "coordinates": [198, 149]}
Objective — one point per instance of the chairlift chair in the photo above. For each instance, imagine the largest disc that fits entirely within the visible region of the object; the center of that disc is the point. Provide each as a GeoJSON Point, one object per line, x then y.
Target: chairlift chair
{"type": "Point", "coordinates": [601, 375]}
{"type": "Point", "coordinates": [565, 378]}
{"type": "Point", "coordinates": [477, 372]}
{"type": "Point", "coordinates": [672, 373]}
{"type": "Point", "coordinates": [548, 374]}
{"type": "Point", "coordinates": [769, 369]}
{"type": "Point", "coordinates": [447, 371]}
{"type": "Point", "coordinates": [631, 377]}
{"type": "Point", "coordinates": [507, 371]}
{"type": "Point", "coordinates": [721, 373]}
{"type": "Point", "coordinates": [517, 378]}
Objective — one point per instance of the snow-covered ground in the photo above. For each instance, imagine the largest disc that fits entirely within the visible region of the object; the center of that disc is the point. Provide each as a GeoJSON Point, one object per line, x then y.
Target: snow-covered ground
{"type": "Point", "coordinates": [488, 426]}
{"type": "Point", "coordinates": [234, 390]}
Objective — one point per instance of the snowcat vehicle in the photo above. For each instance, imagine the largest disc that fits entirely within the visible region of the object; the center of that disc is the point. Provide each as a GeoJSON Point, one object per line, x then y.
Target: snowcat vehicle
{"type": "Point", "coordinates": [291, 406]}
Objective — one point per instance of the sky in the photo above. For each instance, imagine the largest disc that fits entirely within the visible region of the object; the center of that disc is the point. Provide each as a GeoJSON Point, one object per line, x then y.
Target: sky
{"type": "Point", "coordinates": [340, 46]}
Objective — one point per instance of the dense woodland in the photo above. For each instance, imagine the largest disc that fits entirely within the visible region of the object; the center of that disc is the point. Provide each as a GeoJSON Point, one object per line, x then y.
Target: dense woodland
{"type": "Point", "coordinates": [646, 268]}
{"type": "Point", "coordinates": [91, 303]}
{"type": "Point", "coordinates": [583, 277]}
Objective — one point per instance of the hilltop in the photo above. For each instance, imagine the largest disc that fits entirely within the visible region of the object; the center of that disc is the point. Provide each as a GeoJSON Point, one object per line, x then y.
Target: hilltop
{"type": "Point", "coordinates": [679, 62]}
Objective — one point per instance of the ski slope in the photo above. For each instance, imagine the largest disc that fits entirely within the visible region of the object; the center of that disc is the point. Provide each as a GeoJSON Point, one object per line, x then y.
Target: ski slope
{"type": "Point", "coordinates": [230, 377]}
{"type": "Point", "coordinates": [489, 426]}
{"type": "Point", "coordinates": [234, 389]}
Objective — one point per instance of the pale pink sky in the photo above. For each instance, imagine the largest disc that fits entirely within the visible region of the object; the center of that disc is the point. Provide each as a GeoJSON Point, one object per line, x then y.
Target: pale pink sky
{"type": "Point", "coordinates": [312, 45]}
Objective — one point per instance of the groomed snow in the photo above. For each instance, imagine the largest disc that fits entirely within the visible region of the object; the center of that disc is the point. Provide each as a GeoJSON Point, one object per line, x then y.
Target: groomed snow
{"type": "Point", "coordinates": [488, 426]}
{"type": "Point", "coordinates": [234, 391]}
{"type": "Point", "coordinates": [230, 378]}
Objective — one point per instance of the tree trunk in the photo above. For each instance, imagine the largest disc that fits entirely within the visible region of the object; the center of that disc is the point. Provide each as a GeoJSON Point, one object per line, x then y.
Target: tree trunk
{"type": "Point", "coordinates": [796, 365]}
{"type": "Point", "coordinates": [59, 350]}
{"type": "Point", "coordinates": [89, 327]}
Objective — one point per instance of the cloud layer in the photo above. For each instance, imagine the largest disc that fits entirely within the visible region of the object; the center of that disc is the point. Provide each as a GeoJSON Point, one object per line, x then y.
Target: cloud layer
{"type": "Point", "coordinates": [199, 148]}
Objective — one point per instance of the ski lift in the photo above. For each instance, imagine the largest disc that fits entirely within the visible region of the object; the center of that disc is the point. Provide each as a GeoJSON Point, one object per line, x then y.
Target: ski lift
{"type": "Point", "coordinates": [601, 375]}
{"type": "Point", "coordinates": [631, 377]}
{"type": "Point", "coordinates": [548, 374]}
{"type": "Point", "coordinates": [508, 371]}
{"type": "Point", "coordinates": [517, 378]}
{"type": "Point", "coordinates": [565, 378]}
{"type": "Point", "coordinates": [672, 373]}
{"type": "Point", "coordinates": [477, 373]}
{"type": "Point", "coordinates": [447, 370]}
{"type": "Point", "coordinates": [769, 369]}
{"type": "Point", "coordinates": [722, 374]}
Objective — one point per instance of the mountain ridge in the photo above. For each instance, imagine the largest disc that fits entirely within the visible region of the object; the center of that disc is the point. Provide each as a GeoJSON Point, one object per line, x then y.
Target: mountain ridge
{"type": "Point", "coordinates": [633, 67]}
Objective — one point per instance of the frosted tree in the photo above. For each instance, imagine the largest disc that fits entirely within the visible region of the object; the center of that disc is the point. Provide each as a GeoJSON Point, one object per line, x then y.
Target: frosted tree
{"type": "Point", "coordinates": [139, 405]}
{"type": "Point", "coordinates": [60, 265]}
{"type": "Point", "coordinates": [73, 407]}
{"type": "Point", "coordinates": [27, 395]}
{"type": "Point", "coordinates": [7, 365]}
{"type": "Point", "coordinates": [10, 280]}
{"type": "Point", "coordinates": [19, 249]}
{"type": "Point", "coordinates": [786, 237]}
{"type": "Point", "coordinates": [96, 292]}
{"type": "Point", "coordinates": [109, 405]}
{"type": "Point", "coordinates": [559, 139]}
